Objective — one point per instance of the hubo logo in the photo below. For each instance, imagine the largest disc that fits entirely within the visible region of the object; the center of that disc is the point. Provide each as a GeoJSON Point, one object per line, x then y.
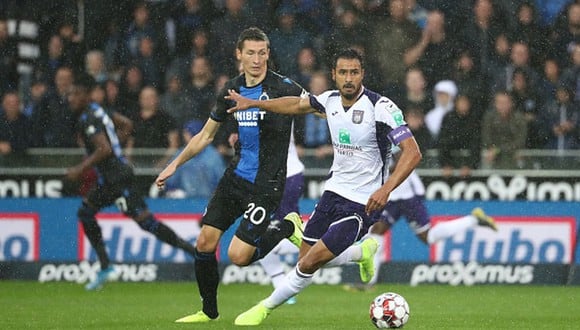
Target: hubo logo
{"type": "Point", "coordinates": [256, 275]}
{"type": "Point", "coordinates": [85, 272]}
{"type": "Point", "coordinates": [472, 273]}
{"type": "Point", "coordinates": [126, 242]}
{"type": "Point", "coordinates": [19, 236]}
{"type": "Point", "coordinates": [521, 240]}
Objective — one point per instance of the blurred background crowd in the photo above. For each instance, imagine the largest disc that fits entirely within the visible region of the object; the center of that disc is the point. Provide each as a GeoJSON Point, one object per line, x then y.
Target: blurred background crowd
{"type": "Point", "coordinates": [477, 80]}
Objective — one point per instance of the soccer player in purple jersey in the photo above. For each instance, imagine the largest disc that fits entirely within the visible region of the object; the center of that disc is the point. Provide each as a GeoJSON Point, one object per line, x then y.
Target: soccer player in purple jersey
{"type": "Point", "coordinates": [364, 126]}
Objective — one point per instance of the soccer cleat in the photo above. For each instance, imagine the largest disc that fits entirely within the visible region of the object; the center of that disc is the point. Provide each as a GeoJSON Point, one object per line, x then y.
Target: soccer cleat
{"type": "Point", "coordinates": [199, 317]}
{"type": "Point", "coordinates": [102, 276]}
{"type": "Point", "coordinates": [253, 316]}
{"type": "Point", "coordinates": [483, 219]}
{"type": "Point", "coordinates": [296, 237]}
{"type": "Point", "coordinates": [366, 265]}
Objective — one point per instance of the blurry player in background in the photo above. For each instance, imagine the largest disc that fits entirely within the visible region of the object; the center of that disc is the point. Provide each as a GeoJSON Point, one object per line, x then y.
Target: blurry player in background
{"type": "Point", "coordinates": [408, 200]}
{"type": "Point", "coordinates": [115, 183]}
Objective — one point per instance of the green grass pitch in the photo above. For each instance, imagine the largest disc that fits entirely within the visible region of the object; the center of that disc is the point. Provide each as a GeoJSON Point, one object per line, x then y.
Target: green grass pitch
{"type": "Point", "coordinates": [31, 305]}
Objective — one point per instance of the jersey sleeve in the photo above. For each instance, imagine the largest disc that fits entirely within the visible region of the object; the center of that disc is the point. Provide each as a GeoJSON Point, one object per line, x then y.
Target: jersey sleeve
{"type": "Point", "coordinates": [389, 113]}
{"type": "Point", "coordinates": [318, 103]}
{"type": "Point", "coordinates": [219, 112]}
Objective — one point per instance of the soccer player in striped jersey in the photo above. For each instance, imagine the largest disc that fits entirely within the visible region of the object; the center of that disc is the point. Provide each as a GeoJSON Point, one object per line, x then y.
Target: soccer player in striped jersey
{"type": "Point", "coordinates": [253, 184]}
{"type": "Point", "coordinates": [115, 182]}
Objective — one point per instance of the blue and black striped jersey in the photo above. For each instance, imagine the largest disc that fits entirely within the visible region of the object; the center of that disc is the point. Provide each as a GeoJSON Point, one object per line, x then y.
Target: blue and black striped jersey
{"type": "Point", "coordinates": [263, 136]}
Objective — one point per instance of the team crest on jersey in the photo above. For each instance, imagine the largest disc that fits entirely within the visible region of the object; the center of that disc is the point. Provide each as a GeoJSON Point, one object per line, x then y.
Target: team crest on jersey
{"type": "Point", "coordinates": [357, 116]}
{"type": "Point", "coordinates": [264, 96]}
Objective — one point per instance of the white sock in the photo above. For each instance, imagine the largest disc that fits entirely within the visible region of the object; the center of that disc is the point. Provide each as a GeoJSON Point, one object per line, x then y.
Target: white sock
{"type": "Point", "coordinates": [449, 228]}
{"type": "Point", "coordinates": [379, 256]}
{"type": "Point", "coordinates": [295, 282]}
{"type": "Point", "coordinates": [352, 253]}
{"type": "Point", "coordinates": [274, 267]}
{"type": "Point", "coordinates": [285, 247]}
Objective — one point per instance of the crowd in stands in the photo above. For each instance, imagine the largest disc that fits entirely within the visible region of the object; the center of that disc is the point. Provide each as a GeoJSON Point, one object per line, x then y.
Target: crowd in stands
{"type": "Point", "coordinates": [477, 79]}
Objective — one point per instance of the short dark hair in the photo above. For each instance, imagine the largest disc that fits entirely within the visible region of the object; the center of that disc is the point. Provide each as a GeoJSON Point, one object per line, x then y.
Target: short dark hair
{"type": "Point", "coordinates": [349, 54]}
{"type": "Point", "coordinates": [85, 81]}
{"type": "Point", "coordinates": [254, 34]}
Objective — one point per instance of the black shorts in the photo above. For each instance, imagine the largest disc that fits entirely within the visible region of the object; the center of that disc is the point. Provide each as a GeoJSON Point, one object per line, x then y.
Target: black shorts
{"type": "Point", "coordinates": [235, 197]}
{"type": "Point", "coordinates": [118, 190]}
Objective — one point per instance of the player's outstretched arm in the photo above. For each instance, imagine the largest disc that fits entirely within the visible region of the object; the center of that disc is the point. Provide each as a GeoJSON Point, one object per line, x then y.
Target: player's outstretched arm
{"type": "Point", "coordinates": [409, 158]}
{"type": "Point", "coordinates": [286, 105]}
{"type": "Point", "coordinates": [193, 147]}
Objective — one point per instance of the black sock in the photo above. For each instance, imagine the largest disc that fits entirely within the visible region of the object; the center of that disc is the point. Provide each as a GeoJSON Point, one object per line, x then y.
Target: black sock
{"type": "Point", "coordinates": [166, 234]}
{"type": "Point", "coordinates": [95, 236]}
{"type": "Point", "coordinates": [277, 231]}
{"type": "Point", "coordinates": [207, 277]}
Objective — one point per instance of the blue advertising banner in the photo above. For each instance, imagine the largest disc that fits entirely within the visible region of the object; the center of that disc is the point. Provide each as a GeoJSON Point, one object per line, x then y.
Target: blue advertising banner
{"type": "Point", "coordinates": [529, 233]}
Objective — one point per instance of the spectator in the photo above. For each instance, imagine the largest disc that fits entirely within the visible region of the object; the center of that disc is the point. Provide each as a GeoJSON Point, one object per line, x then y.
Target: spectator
{"type": "Point", "coordinates": [38, 90]}
{"type": "Point", "coordinates": [393, 37]}
{"type": "Point", "coordinates": [569, 35]}
{"type": "Point", "coordinates": [306, 65]}
{"type": "Point", "coordinates": [112, 102]}
{"type": "Point", "coordinates": [129, 90]}
{"type": "Point", "coordinates": [200, 90]}
{"type": "Point", "coordinates": [481, 32]}
{"type": "Point", "coordinates": [287, 40]}
{"type": "Point", "coordinates": [224, 34]}
{"type": "Point", "coordinates": [54, 58]}
{"type": "Point", "coordinates": [72, 45]}
{"type": "Point", "coordinates": [435, 51]}
{"type": "Point", "coordinates": [471, 82]}
{"type": "Point", "coordinates": [348, 29]}
{"type": "Point", "coordinates": [175, 101]}
{"type": "Point", "coordinates": [197, 178]}
{"type": "Point", "coordinates": [527, 101]}
{"type": "Point", "coordinates": [528, 30]}
{"type": "Point", "coordinates": [503, 133]}
{"type": "Point", "coordinates": [561, 118]}
{"type": "Point", "coordinates": [459, 141]}
{"type": "Point", "coordinates": [8, 60]}
{"type": "Point", "coordinates": [415, 118]}
{"type": "Point", "coordinates": [138, 29]}
{"type": "Point", "coordinates": [444, 92]}
{"type": "Point", "coordinates": [315, 131]}
{"type": "Point", "coordinates": [571, 74]}
{"type": "Point", "coordinates": [190, 16]}
{"type": "Point", "coordinates": [551, 78]}
{"type": "Point", "coordinates": [181, 65]}
{"type": "Point", "coordinates": [148, 61]}
{"type": "Point", "coordinates": [519, 58]}
{"type": "Point", "coordinates": [115, 49]}
{"type": "Point", "coordinates": [500, 57]}
{"type": "Point", "coordinates": [14, 127]}
{"type": "Point", "coordinates": [153, 128]}
{"type": "Point", "coordinates": [95, 66]}
{"type": "Point", "coordinates": [53, 125]}
{"type": "Point", "coordinates": [415, 92]}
